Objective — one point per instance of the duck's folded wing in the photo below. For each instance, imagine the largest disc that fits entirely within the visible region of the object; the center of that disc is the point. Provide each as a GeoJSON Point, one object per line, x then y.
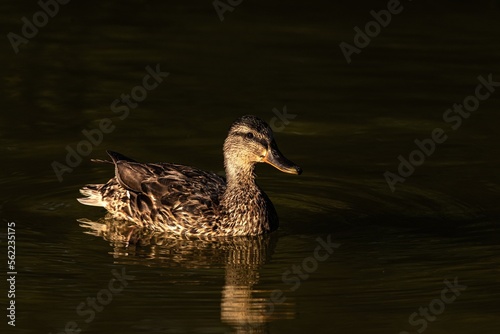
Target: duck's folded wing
{"type": "Point", "coordinates": [173, 189]}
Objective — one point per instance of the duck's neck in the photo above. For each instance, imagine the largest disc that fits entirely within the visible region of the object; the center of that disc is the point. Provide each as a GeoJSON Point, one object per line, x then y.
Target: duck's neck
{"type": "Point", "coordinates": [244, 205]}
{"type": "Point", "coordinates": [240, 177]}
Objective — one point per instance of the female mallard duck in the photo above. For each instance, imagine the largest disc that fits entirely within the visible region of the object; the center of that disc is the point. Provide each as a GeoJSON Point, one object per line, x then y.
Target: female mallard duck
{"type": "Point", "coordinates": [189, 202]}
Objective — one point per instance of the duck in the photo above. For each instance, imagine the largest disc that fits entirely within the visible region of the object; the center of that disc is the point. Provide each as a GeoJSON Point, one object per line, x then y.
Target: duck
{"type": "Point", "coordinates": [187, 202]}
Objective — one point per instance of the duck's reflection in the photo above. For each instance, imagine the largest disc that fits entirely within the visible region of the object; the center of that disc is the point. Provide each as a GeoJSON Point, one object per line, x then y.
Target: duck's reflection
{"type": "Point", "coordinates": [242, 306]}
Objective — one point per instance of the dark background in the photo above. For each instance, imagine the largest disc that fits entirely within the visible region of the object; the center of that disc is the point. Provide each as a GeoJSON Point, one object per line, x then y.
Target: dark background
{"type": "Point", "coordinates": [352, 122]}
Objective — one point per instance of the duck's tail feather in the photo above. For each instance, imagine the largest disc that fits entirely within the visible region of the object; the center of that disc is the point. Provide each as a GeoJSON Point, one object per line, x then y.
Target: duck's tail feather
{"type": "Point", "coordinates": [101, 161]}
{"type": "Point", "coordinates": [118, 157]}
{"type": "Point", "coordinates": [99, 194]}
{"type": "Point", "coordinates": [93, 195]}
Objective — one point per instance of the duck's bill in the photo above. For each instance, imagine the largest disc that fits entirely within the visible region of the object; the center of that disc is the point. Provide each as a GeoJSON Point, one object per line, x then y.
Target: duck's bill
{"type": "Point", "coordinates": [278, 161]}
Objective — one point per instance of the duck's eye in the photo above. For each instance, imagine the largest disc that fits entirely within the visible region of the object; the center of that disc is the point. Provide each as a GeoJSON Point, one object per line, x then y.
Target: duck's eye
{"type": "Point", "coordinates": [249, 135]}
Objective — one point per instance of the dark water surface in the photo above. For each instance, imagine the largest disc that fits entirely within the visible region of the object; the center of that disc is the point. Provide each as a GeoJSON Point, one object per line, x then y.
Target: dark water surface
{"type": "Point", "coordinates": [392, 252]}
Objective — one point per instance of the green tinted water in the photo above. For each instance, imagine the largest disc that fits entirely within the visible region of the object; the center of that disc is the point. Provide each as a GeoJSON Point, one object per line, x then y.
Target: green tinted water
{"type": "Point", "coordinates": [395, 249]}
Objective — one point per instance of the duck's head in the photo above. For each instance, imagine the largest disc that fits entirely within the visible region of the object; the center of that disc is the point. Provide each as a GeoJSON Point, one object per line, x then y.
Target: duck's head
{"type": "Point", "coordinates": [250, 140]}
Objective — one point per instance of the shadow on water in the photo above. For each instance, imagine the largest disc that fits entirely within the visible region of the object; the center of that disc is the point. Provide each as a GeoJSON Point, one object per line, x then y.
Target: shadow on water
{"type": "Point", "coordinates": [243, 307]}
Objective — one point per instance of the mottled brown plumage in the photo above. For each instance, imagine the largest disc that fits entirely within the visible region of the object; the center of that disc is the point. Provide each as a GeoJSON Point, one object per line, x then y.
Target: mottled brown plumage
{"type": "Point", "coordinates": [189, 202]}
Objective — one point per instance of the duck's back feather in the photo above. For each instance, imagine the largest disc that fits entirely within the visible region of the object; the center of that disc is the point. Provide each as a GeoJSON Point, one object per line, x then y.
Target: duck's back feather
{"type": "Point", "coordinates": [162, 193]}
